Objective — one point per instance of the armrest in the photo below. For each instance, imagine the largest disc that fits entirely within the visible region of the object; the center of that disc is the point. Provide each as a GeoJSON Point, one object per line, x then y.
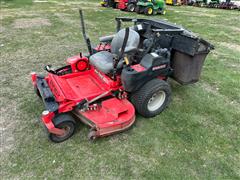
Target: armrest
{"type": "Point", "coordinates": [106, 38]}
{"type": "Point", "coordinates": [130, 49]}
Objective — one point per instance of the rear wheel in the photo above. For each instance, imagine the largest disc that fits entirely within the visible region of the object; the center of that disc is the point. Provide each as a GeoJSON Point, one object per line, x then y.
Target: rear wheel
{"type": "Point", "coordinates": [66, 123]}
{"type": "Point", "coordinates": [152, 98]}
{"type": "Point", "coordinates": [148, 11]}
{"type": "Point", "coordinates": [131, 7]}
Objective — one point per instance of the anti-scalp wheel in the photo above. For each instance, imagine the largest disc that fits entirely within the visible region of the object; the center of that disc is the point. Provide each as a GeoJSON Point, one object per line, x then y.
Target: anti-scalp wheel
{"type": "Point", "coordinates": [65, 122]}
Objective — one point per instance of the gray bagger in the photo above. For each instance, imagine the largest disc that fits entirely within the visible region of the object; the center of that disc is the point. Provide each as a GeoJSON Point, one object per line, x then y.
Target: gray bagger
{"type": "Point", "coordinates": [187, 51]}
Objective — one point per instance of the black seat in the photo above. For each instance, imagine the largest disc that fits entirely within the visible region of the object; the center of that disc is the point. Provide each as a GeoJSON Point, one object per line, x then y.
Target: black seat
{"type": "Point", "coordinates": [103, 60]}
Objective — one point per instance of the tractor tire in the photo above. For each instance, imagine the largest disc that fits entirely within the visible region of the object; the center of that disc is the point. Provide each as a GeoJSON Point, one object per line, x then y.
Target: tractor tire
{"type": "Point", "coordinates": [152, 98]}
{"type": "Point", "coordinates": [148, 11]}
{"type": "Point", "coordinates": [139, 10]}
{"type": "Point", "coordinates": [66, 122]}
{"type": "Point", "coordinates": [131, 7]}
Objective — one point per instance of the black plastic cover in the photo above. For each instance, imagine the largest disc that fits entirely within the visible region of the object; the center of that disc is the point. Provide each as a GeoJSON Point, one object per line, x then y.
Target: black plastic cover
{"type": "Point", "coordinates": [154, 65]}
{"type": "Point", "coordinates": [47, 95]}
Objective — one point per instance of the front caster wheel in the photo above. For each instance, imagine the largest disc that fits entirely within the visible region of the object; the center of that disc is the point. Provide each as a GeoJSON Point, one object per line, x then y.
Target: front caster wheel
{"type": "Point", "coordinates": [66, 123]}
{"type": "Point", "coordinates": [152, 98]}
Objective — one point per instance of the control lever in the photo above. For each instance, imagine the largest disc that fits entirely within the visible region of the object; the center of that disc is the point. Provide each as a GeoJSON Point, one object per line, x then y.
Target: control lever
{"type": "Point", "coordinates": [49, 69]}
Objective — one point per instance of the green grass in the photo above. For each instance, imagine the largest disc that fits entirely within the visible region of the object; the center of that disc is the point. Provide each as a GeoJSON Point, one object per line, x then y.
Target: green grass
{"type": "Point", "coordinates": [197, 137]}
{"type": "Point", "coordinates": [17, 3]}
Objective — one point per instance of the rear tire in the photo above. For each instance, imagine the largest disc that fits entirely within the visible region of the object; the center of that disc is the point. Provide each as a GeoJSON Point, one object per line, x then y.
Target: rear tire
{"type": "Point", "coordinates": [66, 122]}
{"type": "Point", "coordinates": [152, 98]}
{"type": "Point", "coordinates": [131, 7]}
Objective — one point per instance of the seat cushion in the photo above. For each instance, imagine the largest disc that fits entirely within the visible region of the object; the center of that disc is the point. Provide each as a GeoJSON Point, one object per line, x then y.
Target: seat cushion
{"type": "Point", "coordinates": [103, 61]}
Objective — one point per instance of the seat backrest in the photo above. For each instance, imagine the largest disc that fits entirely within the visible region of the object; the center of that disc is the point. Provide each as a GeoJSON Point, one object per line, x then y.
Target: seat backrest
{"type": "Point", "coordinates": [117, 42]}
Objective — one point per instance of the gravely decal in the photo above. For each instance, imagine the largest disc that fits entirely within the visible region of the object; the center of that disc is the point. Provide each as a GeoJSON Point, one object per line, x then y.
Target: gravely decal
{"type": "Point", "coordinates": [159, 67]}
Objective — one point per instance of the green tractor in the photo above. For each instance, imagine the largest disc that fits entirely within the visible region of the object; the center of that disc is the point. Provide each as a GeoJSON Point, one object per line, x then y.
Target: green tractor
{"type": "Point", "coordinates": [151, 7]}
